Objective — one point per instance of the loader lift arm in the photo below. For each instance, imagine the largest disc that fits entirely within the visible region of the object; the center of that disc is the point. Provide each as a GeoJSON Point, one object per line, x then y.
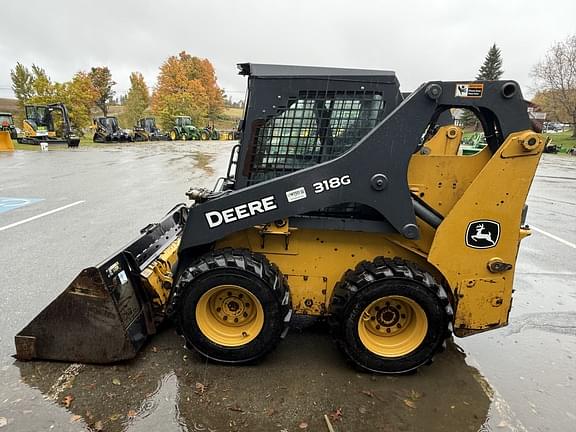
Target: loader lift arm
{"type": "Point", "coordinates": [373, 172]}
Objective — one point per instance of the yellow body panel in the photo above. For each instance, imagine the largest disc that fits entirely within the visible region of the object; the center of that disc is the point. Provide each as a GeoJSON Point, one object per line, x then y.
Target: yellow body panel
{"type": "Point", "coordinates": [462, 189]}
{"type": "Point", "coordinates": [30, 132]}
{"type": "Point", "coordinates": [157, 277]}
{"type": "Point", "coordinates": [27, 129]}
{"type": "Point", "coordinates": [6, 144]}
{"type": "Point", "coordinates": [315, 260]}
{"type": "Point", "coordinates": [498, 193]}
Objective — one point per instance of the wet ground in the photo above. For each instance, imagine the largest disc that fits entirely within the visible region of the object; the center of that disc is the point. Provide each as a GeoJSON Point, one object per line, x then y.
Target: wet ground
{"type": "Point", "coordinates": [520, 378]}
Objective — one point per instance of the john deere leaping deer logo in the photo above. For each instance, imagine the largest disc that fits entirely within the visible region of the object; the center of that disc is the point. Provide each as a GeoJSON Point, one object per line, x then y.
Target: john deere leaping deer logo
{"type": "Point", "coordinates": [482, 234]}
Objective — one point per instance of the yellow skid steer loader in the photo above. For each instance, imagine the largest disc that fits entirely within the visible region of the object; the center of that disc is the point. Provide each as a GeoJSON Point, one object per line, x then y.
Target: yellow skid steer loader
{"type": "Point", "coordinates": [343, 200]}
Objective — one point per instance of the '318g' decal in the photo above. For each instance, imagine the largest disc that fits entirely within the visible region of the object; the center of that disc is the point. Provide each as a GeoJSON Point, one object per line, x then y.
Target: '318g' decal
{"type": "Point", "coordinates": [331, 183]}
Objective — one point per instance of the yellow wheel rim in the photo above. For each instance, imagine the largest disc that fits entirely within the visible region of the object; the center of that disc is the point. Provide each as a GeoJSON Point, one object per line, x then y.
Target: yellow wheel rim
{"type": "Point", "coordinates": [392, 326]}
{"type": "Point", "coordinates": [173, 136]}
{"type": "Point", "coordinates": [229, 315]}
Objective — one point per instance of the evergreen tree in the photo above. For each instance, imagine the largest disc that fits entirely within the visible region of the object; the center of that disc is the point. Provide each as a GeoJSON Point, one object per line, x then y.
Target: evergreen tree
{"type": "Point", "coordinates": [491, 69]}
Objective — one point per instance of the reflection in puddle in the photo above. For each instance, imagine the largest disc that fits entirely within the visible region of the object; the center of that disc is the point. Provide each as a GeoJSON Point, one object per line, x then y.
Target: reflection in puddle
{"type": "Point", "coordinates": [159, 408]}
{"type": "Point", "coordinates": [167, 388]}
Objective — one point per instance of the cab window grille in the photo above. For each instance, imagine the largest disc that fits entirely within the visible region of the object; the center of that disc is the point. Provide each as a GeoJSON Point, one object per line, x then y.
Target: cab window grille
{"type": "Point", "coordinates": [312, 128]}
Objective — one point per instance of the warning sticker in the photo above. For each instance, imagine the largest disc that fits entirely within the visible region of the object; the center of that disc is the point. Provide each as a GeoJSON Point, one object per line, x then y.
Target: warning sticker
{"type": "Point", "coordinates": [472, 90]}
{"type": "Point", "coordinates": [296, 194]}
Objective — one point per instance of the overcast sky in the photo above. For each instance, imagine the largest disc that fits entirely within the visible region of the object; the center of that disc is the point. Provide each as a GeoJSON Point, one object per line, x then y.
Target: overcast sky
{"type": "Point", "coordinates": [420, 40]}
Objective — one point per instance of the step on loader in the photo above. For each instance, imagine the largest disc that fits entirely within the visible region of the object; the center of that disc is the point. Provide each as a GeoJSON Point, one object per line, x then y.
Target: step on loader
{"type": "Point", "coordinates": [343, 201]}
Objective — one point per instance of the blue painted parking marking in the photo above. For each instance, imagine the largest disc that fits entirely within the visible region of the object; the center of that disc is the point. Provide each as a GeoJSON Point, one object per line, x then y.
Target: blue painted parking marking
{"type": "Point", "coordinates": [11, 203]}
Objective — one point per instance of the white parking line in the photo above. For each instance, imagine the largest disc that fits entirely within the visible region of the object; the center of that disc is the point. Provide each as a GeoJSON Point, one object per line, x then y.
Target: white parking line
{"type": "Point", "coordinates": [553, 237]}
{"type": "Point", "coordinates": [15, 224]}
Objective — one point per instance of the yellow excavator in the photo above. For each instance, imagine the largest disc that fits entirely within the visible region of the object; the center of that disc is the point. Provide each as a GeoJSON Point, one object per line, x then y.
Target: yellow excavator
{"type": "Point", "coordinates": [345, 201]}
{"type": "Point", "coordinates": [48, 123]}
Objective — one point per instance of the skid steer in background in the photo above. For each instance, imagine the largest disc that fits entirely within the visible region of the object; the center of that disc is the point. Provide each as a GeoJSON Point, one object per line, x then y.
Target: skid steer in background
{"type": "Point", "coordinates": [342, 201]}
{"type": "Point", "coordinates": [106, 129]}
{"type": "Point", "coordinates": [48, 123]}
{"type": "Point", "coordinates": [145, 129]}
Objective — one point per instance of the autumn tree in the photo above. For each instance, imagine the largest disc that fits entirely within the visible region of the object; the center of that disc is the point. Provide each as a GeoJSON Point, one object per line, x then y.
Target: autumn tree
{"type": "Point", "coordinates": [35, 87]}
{"type": "Point", "coordinates": [102, 81]}
{"type": "Point", "coordinates": [81, 96]}
{"type": "Point", "coordinates": [137, 100]}
{"type": "Point", "coordinates": [186, 86]}
{"type": "Point", "coordinates": [555, 76]}
{"type": "Point", "coordinates": [22, 83]}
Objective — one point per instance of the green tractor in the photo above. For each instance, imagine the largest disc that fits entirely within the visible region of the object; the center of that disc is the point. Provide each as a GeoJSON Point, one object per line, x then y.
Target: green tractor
{"type": "Point", "coordinates": [209, 133]}
{"type": "Point", "coordinates": [184, 129]}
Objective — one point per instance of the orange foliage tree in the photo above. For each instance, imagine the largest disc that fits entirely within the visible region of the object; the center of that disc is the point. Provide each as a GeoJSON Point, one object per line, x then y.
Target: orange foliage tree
{"type": "Point", "coordinates": [187, 86]}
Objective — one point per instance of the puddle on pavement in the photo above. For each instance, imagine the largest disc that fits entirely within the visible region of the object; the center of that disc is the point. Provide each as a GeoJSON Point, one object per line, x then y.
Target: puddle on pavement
{"type": "Point", "coordinates": [203, 161]}
{"type": "Point", "coordinates": [170, 389]}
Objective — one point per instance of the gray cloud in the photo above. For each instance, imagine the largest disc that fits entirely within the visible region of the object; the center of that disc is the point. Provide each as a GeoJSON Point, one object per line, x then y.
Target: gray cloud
{"type": "Point", "coordinates": [420, 40]}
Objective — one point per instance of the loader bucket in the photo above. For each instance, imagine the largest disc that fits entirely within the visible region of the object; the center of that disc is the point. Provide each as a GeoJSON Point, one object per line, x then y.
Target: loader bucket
{"type": "Point", "coordinates": [104, 315]}
{"type": "Point", "coordinates": [6, 142]}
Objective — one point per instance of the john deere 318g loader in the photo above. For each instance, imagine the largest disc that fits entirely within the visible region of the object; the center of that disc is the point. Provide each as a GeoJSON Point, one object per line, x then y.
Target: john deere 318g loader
{"type": "Point", "coordinates": [342, 200]}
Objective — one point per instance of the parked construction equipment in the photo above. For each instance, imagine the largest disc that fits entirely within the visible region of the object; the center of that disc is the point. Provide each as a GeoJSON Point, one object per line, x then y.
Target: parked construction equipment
{"type": "Point", "coordinates": [7, 124]}
{"type": "Point", "coordinates": [106, 129]}
{"type": "Point", "coordinates": [341, 201]}
{"type": "Point", "coordinates": [145, 129]}
{"type": "Point", "coordinates": [6, 144]}
{"type": "Point", "coordinates": [184, 129]}
{"type": "Point", "coordinates": [209, 133]}
{"type": "Point", "coordinates": [48, 123]}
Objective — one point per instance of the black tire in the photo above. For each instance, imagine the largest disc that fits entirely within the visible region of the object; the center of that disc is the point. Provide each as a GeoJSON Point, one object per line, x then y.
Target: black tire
{"type": "Point", "coordinates": [252, 272]}
{"type": "Point", "coordinates": [375, 280]}
{"type": "Point", "coordinates": [204, 136]}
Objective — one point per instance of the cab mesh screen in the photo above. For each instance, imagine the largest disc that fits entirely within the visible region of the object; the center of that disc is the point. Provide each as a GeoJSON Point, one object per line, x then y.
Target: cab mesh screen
{"type": "Point", "coordinates": [312, 128]}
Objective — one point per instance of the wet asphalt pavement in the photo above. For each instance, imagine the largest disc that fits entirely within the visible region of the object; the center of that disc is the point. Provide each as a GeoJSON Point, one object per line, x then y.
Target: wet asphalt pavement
{"type": "Point", "coordinates": [519, 378]}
